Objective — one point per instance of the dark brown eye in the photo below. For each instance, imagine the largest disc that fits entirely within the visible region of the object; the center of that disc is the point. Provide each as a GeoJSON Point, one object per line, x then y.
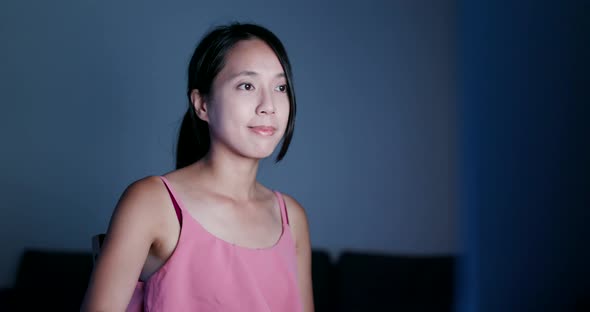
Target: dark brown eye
{"type": "Point", "coordinates": [246, 86]}
{"type": "Point", "coordinates": [282, 88]}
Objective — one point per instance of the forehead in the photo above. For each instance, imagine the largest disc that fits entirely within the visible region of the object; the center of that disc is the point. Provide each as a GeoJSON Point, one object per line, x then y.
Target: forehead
{"type": "Point", "coordinates": [251, 55]}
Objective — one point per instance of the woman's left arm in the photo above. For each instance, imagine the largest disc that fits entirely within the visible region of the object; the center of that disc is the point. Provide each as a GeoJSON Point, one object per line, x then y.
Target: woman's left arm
{"type": "Point", "coordinates": [300, 230]}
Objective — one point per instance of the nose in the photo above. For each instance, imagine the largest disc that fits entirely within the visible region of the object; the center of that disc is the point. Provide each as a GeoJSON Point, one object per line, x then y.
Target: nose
{"type": "Point", "coordinates": [265, 105]}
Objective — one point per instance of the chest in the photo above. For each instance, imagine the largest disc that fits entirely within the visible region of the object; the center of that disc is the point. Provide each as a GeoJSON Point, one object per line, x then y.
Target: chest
{"type": "Point", "coordinates": [256, 225]}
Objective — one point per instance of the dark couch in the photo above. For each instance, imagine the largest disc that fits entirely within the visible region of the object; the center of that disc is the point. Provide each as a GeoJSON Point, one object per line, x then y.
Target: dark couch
{"type": "Point", "coordinates": [56, 281]}
{"type": "Point", "coordinates": [378, 282]}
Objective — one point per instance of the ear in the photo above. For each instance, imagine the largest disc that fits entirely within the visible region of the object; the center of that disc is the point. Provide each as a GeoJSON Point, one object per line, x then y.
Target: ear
{"type": "Point", "coordinates": [199, 104]}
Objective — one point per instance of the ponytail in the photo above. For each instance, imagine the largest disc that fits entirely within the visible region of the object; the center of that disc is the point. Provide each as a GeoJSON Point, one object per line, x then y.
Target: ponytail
{"type": "Point", "coordinates": [193, 140]}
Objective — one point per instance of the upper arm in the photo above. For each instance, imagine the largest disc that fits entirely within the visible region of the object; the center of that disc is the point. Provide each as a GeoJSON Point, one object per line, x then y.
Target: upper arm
{"type": "Point", "coordinates": [131, 232]}
{"type": "Point", "coordinates": [300, 229]}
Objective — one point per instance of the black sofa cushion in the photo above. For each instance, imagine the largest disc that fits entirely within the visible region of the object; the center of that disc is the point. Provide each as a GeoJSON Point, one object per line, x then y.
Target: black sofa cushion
{"type": "Point", "coordinates": [374, 282]}
{"type": "Point", "coordinates": [50, 281]}
{"type": "Point", "coordinates": [323, 277]}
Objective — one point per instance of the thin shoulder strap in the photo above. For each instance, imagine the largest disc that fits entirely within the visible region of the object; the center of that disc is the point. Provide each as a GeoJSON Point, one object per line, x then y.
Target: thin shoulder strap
{"type": "Point", "coordinates": [284, 215]}
{"type": "Point", "coordinates": [173, 197]}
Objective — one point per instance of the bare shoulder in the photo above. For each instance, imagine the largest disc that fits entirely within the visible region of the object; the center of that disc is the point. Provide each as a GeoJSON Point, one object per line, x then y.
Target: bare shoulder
{"type": "Point", "coordinates": [147, 186]}
{"type": "Point", "coordinates": [297, 219]}
{"type": "Point", "coordinates": [294, 208]}
{"type": "Point", "coordinates": [142, 200]}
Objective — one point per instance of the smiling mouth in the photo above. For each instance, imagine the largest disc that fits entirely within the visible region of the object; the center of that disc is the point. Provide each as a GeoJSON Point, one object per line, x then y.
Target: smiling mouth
{"type": "Point", "coordinates": [263, 130]}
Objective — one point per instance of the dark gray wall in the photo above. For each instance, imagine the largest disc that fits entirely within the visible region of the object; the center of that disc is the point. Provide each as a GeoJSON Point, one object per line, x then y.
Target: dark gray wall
{"type": "Point", "coordinates": [92, 93]}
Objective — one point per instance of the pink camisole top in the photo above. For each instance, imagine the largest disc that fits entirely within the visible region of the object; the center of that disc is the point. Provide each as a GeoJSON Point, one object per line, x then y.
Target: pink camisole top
{"type": "Point", "coordinates": [206, 273]}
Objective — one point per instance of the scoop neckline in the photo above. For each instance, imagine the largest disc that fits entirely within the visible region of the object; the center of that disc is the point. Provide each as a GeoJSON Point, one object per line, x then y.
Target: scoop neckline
{"type": "Point", "coordinates": [184, 212]}
{"type": "Point", "coordinates": [233, 245]}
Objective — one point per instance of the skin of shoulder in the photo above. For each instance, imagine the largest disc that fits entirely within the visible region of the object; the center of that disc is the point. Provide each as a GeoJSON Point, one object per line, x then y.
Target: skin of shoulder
{"type": "Point", "coordinates": [300, 230]}
{"type": "Point", "coordinates": [297, 218]}
{"type": "Point", "coordinates": [137, 222]}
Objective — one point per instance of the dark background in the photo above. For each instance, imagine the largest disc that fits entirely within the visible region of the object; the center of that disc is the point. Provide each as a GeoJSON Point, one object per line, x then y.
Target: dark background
{"type": "Point", "coordinates": [524, 155]}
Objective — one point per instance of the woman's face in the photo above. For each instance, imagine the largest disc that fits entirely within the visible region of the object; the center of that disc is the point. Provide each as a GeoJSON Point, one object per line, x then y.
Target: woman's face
{"type": "Point", "coordinates": [248, 107]}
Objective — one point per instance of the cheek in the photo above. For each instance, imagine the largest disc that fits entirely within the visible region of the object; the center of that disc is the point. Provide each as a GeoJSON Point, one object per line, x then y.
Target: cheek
{"type": "Point", "coordinates": [281, 102]}
{"type": "Point", "coordinates": [228, 110]}
{"type": "Point", "coordinates": [285, 108]}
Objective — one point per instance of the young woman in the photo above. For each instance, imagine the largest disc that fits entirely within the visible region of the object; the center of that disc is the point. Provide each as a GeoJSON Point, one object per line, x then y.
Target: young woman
{"type": "Point", "coordinates": [208, 236]}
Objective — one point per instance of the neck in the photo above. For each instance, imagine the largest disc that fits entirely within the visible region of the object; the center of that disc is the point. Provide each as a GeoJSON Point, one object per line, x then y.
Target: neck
{"type": "Point", "coordinates": [229, 174]}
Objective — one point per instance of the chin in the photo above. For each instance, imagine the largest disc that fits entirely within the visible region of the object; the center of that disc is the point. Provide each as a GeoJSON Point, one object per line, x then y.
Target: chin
{"type": "Point", "coordinates": [261, 154]}
{"type": "Point", "coordinates": [263, 150]}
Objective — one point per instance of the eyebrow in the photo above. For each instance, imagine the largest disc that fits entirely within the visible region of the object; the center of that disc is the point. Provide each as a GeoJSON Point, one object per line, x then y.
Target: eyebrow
{"type": "Point", "coordinates": [253, 73]}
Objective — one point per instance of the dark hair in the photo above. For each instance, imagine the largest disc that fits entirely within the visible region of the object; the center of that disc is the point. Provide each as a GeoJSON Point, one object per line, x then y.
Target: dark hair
{"type": "Point", "coordinates": [207, 61]}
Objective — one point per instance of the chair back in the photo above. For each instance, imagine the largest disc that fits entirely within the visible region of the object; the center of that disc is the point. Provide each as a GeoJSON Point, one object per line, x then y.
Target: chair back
{"type": "Point", "coordinates": [97, 241]}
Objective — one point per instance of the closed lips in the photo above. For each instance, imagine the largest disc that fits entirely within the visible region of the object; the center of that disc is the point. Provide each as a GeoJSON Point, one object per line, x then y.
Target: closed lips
{"type": "Point", "coordinates": [264, 130]}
